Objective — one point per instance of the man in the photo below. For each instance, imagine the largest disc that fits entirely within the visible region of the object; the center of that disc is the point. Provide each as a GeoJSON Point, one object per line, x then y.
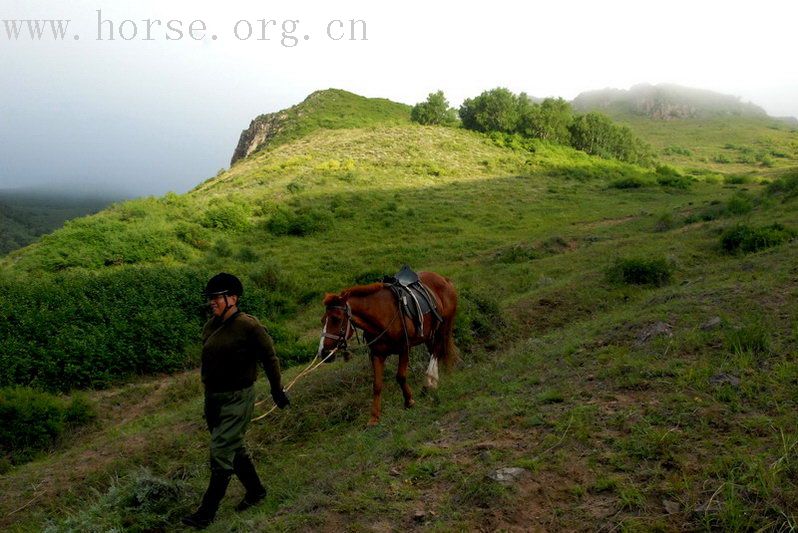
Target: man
{"type": "Point", "coordinates": [233, 344]}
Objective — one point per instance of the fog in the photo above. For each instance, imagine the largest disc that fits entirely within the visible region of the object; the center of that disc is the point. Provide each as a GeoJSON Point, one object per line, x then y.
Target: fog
{"type": "Point", "coordinates": [145, 113]}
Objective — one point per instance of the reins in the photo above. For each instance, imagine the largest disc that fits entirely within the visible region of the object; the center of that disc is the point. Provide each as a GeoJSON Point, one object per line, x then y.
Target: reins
{"type": "Point", "coordinates": [375, 339]}
{"type": "Point", "coordinates": [342, 337]}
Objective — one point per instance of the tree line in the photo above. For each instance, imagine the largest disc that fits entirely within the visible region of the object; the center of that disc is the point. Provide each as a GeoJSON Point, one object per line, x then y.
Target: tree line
{"type": "Point", "coordinates": [552, 120]}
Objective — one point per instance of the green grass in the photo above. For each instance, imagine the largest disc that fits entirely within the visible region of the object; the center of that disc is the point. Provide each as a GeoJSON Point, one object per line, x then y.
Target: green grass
{"type": "Point", "coordinates": [554, 375]}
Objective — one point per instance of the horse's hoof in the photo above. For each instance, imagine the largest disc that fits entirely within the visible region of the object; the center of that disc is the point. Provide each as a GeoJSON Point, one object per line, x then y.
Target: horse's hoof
{"type": "Point", "coordinates": [373, 422]}
{"type": "Point", "coordinates": [409, 404]}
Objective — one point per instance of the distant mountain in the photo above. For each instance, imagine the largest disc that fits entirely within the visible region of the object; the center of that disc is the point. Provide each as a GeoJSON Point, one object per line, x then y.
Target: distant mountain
{"type": "Point", "coordinates": [27, 214]}
{"type": "Point", "coordinates": [665, 102]}
{"type": "Point", "coordinates": [326, 109]}
{"type": "Point", "coordinates": [790, 121]}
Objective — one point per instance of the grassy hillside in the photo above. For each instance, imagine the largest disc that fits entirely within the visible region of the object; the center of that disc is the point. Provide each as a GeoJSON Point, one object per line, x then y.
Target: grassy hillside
{"type": "Point", "coordinates": [285, 219]}
{"type": "Point", "coordinates": [732, 145]}
{"type": "Point", "coordinates": [668, 405]}
{"type": "Point", "coordinates": [700, 130]}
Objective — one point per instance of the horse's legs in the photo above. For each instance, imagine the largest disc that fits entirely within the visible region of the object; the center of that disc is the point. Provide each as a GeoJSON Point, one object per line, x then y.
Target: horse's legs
{"type": "Point", "coordinates": [378, 364]}
{"type": "Point", "coordinates": [401, 377]}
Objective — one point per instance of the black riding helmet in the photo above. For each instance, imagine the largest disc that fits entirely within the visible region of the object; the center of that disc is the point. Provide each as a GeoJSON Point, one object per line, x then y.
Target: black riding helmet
{"type": "Point", "coordinates": [223, 284]}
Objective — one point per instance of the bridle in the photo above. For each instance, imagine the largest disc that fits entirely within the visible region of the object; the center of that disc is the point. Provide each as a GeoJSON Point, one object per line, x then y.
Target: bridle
{"type": "Point", "coordinates": [344, 332]}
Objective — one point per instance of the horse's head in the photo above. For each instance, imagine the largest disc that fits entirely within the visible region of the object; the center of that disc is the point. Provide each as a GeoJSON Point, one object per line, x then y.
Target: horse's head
{"type": "Point", "coordinates": [337, 327]}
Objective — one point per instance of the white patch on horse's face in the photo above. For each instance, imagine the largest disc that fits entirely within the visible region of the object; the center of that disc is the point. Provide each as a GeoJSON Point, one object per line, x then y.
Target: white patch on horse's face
{"type": "Point", "coordinates": [333, 323]}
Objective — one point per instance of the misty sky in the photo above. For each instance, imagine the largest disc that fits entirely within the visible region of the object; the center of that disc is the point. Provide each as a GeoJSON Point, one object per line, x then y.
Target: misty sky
{"type": "Point", "coordinates": [147, 117]}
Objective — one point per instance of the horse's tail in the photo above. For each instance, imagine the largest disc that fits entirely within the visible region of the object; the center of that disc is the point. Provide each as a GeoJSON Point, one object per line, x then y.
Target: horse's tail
{"type": "Point", "coordinates": [447, 353]}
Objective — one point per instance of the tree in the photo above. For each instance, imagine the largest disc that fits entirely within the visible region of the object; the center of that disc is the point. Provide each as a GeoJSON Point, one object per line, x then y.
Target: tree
{"type": "Point", "coordinates": [548, 120]}
{"type": "Point", "coordinates": [596, 134]}
{"type": "Point", "coordinates": [435, 110]}
{"type": "Point", "coordinates": [494, 110]}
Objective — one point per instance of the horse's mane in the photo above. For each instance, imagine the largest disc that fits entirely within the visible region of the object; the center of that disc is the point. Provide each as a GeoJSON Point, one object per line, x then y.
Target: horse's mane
{"type": "Point", "coordinates": [357, 290]}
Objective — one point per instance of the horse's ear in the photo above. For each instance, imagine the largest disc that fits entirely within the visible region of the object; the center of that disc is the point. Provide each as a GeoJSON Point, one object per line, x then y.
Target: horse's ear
{"type": "Point", "coordinates": [328, 298]}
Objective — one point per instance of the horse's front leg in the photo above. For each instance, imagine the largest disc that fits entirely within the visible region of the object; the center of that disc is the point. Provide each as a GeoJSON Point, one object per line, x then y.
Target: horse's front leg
{"type": "Point", "coordinates": [377, 364]}
{"type": "Point", "coordinates": [401, 377]}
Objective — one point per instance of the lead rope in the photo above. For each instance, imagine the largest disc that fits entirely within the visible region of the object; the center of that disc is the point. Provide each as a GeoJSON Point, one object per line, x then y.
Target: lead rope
{"type": "Point", "coordinates": [307, 370]}
{"type": "Point", "coordinates": [314, 365]}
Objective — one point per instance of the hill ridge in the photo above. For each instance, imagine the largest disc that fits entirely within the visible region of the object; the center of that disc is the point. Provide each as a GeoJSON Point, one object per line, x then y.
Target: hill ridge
{"type": "Point", "coordinates": [326, 108]}
{"type": "Point", "coordinates": [665, 101]}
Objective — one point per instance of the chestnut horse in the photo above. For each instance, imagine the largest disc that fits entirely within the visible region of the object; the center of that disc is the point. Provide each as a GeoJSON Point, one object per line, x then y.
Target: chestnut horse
{"type": "Point", "coordinates": [387, 330]}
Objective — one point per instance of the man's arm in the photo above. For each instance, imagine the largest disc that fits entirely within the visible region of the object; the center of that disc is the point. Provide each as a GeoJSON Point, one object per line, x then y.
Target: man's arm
{"type": "Point", "coordinates": [264, 348]}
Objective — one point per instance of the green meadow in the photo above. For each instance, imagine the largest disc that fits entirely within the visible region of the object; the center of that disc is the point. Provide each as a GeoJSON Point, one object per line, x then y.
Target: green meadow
{"type": "Point", "coordinates": [727, 145]}
{"type": "Point", "coordinates": [628, 335]}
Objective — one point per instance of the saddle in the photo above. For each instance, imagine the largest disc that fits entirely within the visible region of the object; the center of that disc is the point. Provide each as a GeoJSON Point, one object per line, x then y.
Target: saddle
{"type": "Point", "coordinates": [413, 296]}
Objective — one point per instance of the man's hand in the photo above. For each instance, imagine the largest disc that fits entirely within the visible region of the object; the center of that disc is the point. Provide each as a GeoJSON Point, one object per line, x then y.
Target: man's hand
{"type": "Point", "coordinates": [280, 398]}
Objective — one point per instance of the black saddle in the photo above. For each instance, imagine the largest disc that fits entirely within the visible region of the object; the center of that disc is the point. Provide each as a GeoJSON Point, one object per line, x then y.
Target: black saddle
{"type": "Point", "coordinates": [406, 277]}
{"type": "Point", "coordinates": [414, 298]}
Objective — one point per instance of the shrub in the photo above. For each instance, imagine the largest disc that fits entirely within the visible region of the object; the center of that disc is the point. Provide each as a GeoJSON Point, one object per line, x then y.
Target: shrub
{"type": "Point", "coordinates": [223, 248]}
{"type": "Point", "coordinates": [230, 216]}
{"type": "Point", "coordinates": [100, 240]}
{"type": "Point", "coordinates": [139, 501]}
{"type": "Point", "coordinates": [670, 177]}
{"type": "Point", "coordinates": [739, 204]}
{"type": "Point", "coordinates": [680, 182]}
{"type": "Point", "coordinates": [707, 214]}
{"type": "Point", "coordinates": [629, 182]}
{"type": "Point", "coordinates": [516, 253]}
{"type": "Point", "coordinates": [295, 186]}
{"type": "Point", "coordinates": [304, 221]}
{"type": "Point", "coordinates": [677, 150]}
{"type": "Point", "coordinates": [515, 141]}
{"type": "Point", "coordinates": [595, 170]}
{"type": "Point", "coordinates": [368, 276]}
{"type": "Point", "coordinates": [479, 322]}
{"type": "Point", "coordinates": [641, 271]}
{"type": "Point", "coordinates": [664, 222]}
{"type": "Point", "coordinates": [79, 412]}
{"type": "Point", "coordinates": [786, 185]}
{"type": "Point", "coordinates": [291, 349]}
{"type": "Point", "coordinates": [247, 255]}
{"type": "Point", "coordinates": [31, 421]}
{"type": "Point", "coordinates": [765, 160]}
{"type": "Point", "coordinates": [737, 179]}
{"type": "Point", "coordinates": [752, 338]}
{"type": "Point", "coordinates": [596, 134]}
{"type": "Point", "coordinates": [746, 239]}
{"type": "Point", "coordinates": [193, 235]}
{"type": "Point", "coordinates": [91, 329]}
{"type": "Point", "coordinates": [269, 276]}
{"type": "Point", "coordinates": [435, 110]}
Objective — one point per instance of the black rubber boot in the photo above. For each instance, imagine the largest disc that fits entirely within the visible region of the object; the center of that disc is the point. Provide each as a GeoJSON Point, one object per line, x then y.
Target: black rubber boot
{"type": "Point", "coordinates": [217, 486]}
{"type": "Point", "coordinates": [245, 471]}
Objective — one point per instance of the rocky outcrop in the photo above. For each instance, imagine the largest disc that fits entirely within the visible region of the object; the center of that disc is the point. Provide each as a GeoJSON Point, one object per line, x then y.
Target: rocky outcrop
{"type": "Point", "coordinates": [323, 109]}
{"type": "Point", "coordinates": [260, 131]}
